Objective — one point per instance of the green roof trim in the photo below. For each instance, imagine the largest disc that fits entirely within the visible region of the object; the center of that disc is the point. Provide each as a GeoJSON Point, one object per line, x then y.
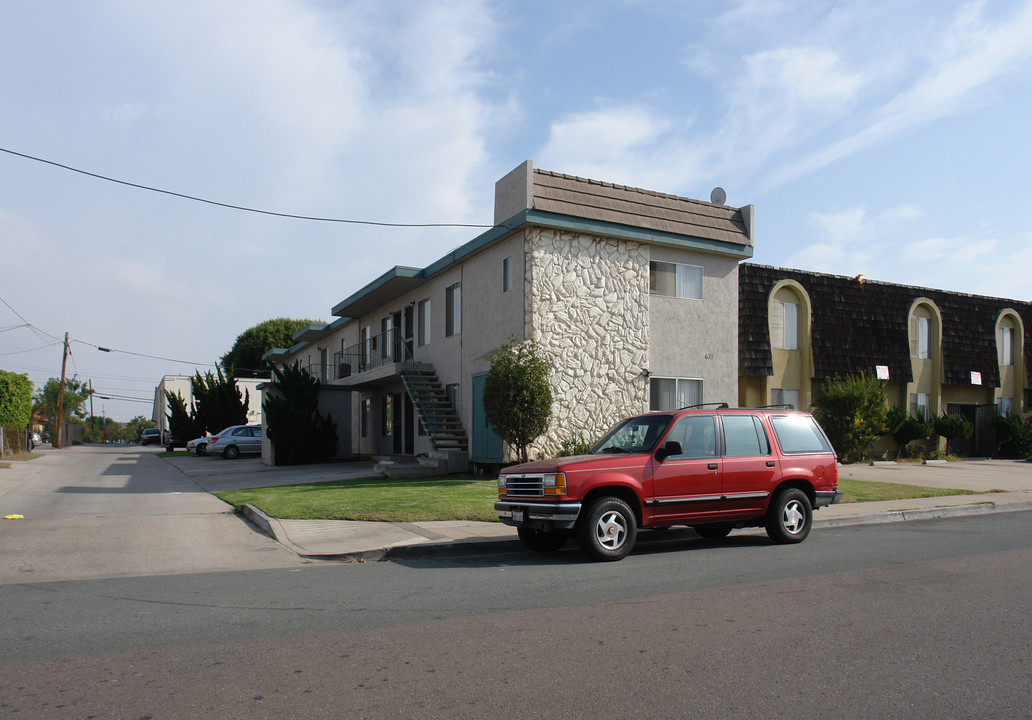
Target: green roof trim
{"type": "Point", "coordinates": [401, 279]}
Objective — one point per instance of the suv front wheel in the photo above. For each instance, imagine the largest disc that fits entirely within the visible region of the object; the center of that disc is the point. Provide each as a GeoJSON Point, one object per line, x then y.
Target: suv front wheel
{"type": "Point", "coordinates": [789, 517]}
{"type": "Point", "coordinates": [607, 530]}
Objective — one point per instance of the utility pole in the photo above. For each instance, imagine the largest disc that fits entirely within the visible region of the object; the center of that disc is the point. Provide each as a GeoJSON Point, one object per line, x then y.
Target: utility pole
{"type": "Point", "coordinates": [93, 419]}
{"type": "Point", "coordinates": [60, 396]}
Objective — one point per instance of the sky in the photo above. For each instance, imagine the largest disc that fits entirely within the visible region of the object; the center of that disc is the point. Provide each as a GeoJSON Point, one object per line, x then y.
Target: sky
{"type": "Point", "coordinates": [884, 138]}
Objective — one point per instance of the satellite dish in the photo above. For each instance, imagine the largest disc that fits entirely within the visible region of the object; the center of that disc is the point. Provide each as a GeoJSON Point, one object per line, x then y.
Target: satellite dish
{"type": "Point", "coordinates": [718, 196]}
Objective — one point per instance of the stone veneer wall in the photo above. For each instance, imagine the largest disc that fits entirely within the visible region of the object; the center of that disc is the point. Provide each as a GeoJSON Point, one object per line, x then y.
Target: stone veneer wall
{"type": "Point", "coordinates": [587, 306]}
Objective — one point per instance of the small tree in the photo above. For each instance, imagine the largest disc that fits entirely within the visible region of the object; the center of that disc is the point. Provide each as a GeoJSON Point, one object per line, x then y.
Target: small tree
{"type": "Point", "coordinates": [852, 412]}
{"type": "Point", "coordinates": [182, 423]}
{"type": "Point", "coordinates": [299, 433]}
{"type": "Point", "coordinates": [517, 395]}
{"type": "Point", "coordinates": [48, 398]}
{"type": "Point", "coordinates": [953, 427]}
{"type": "Point", "coordinates": [217, 402]}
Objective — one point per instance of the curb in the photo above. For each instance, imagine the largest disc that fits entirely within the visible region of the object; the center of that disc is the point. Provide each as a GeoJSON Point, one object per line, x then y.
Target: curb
{"type": "Point", "coordinates": [925, 513]}
{"type": "Point", "coordinates": [478, 547]}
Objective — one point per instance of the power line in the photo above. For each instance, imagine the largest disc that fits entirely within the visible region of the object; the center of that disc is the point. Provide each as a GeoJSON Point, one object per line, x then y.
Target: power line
{"type": "Point", "coordinates": [130, 352]}
{"type": "Point", "coordinates": [238, 207]}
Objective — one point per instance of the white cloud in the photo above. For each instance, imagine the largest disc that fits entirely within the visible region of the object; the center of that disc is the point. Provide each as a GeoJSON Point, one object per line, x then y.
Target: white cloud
{"type": "Point", "coordinates": [970, 54]}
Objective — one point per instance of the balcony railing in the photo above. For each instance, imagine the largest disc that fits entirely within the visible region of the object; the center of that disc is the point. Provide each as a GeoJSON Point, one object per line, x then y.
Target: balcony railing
{"type": "Point", "coordinates": [387, 348]}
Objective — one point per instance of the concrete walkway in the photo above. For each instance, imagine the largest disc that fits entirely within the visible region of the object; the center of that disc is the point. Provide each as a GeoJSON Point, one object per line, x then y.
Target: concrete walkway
{"type": "Point", "coordinates": [1003, 485]}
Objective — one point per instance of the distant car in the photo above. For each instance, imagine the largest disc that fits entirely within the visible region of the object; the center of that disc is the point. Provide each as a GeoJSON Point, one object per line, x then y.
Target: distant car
{"type": "Point", "coordinates": [198, 445]}
{"type": "Point", "coordinates": [236, 440]}
{"type": "Point", "coordinates": [150, 435]}
{"type": "Point", "coordinates": [172, 442]}
{"type": "Point", "coordinates": [35, 441]}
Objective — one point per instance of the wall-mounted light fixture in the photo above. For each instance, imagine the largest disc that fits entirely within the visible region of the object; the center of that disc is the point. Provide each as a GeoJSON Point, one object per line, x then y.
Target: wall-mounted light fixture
{"type": "Point", "coordinates": [645, 373]}
{"type": "Point", "coordinates": [861, 279]}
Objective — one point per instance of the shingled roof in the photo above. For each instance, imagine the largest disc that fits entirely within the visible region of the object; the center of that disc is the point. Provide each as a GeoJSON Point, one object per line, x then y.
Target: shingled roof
{"type": "Point", "coordinates": [857, 326]}
{"type": "Point", "coordinates": [596, 200]}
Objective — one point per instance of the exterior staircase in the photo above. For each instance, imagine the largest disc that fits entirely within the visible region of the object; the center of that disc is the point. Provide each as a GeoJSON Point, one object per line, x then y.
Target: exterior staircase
{"type": "Point", "coordinates": [433, 408]}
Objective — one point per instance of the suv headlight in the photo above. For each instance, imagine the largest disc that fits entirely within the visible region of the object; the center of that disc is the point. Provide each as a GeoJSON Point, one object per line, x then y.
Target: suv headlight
{"type": "Point", "coordinates": [555, 484]}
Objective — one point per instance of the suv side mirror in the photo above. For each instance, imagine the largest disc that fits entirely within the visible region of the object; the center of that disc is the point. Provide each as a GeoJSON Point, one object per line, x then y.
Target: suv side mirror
{"type": "Point", "coordinates": [672, 447]}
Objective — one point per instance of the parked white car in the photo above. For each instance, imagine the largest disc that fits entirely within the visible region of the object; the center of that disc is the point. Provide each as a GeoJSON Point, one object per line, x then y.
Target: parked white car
{"type": "Point", "coordinates": [236, 440]}
{"type": "Point", "coordinates": [198, 445]}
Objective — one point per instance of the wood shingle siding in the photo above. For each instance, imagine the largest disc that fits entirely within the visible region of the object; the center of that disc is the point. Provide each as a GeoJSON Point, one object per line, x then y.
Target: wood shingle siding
{"type": "Point", "coordinates": [857, 326]}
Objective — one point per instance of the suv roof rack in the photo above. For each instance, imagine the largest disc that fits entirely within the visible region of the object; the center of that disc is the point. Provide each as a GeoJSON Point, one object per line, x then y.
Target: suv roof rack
{"type": "Point", "coordinates": [782, 406]}
{"type": "Point", "coordinates": [718, 405]}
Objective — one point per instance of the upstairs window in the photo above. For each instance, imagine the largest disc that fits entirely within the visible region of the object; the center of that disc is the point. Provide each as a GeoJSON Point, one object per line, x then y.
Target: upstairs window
{"type": "Point", "coordinates": [784, 325]}
{"type": "Point", "coordinates": [1005, 345]}
{"type": "Point", "coordinates": [507, 274]}
{"type": "Point", "coordinates": [675, 280]}
{"type": "Point", "coordinates": [452, 310]}
{"type": "Point", "coordinates": [423, 322]}
{"type": "Point", "coordinates": [921, 337]}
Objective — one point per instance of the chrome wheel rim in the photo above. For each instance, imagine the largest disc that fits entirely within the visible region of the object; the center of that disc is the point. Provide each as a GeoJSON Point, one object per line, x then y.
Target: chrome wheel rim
{"type": "Point", "coordinates": [793, 517]}
{"type": "Point", "coordinates": [611, 530]}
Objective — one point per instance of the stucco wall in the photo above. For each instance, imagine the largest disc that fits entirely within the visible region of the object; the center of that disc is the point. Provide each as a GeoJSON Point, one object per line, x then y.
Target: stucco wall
{"type": "Point", "coordinates": [587, 305]}
{"type": "Point", "coordinates": [698, 338]}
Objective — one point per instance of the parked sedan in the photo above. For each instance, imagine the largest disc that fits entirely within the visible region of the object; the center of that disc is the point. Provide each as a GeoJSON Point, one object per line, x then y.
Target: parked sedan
{"type": "Point", "coordinates": [150, 435]}
{"type": "Point", "coordinates": [235, 440]}
{"type": "Point", "coordinates": [198, 445]}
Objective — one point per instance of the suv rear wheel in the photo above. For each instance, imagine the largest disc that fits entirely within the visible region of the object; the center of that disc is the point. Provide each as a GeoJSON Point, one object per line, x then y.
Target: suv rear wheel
{"type": "Point", "coordinates": [607, 530]}
{"type": "Point", "coordinates": [789, 517]}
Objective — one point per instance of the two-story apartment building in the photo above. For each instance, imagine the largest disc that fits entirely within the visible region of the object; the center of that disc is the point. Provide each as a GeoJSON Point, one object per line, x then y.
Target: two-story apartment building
{"type": "Point", "coordinates": [633, 295]}
{"type": "Point", "coordinates": [938, 351]}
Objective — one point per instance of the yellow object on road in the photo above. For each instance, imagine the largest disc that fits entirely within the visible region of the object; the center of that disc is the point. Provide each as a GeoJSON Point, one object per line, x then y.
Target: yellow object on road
{"type": "Point", "coordinates": [14, 517]}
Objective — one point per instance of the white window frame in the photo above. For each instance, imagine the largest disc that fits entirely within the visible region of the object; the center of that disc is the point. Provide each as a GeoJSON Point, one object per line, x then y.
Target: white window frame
{"type": "Point", "coordinates": [453, 309]}
{"type": "Point", "coordinates": [784, 324]}
{"type": "Point", "coordinates": [683, 283]}
{"type": "Point", "coordinates": [684, 390]}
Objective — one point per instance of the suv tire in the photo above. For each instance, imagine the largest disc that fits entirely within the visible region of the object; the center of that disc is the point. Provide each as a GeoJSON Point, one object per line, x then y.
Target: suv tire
{"type": "Point", "coordinates": [607, 530]}
{"type": "Point", "coordinates": [542, 540]}
{"type": "Point", "coordinates": [789, 517]}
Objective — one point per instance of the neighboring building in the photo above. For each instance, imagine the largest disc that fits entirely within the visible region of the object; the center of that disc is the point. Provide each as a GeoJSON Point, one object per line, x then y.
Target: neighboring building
{"type": "Point", "coordinates": [632, 294]}
{"type": "Point", "coordinates": [939, 351]}
{"type": "Point", "coordinates": [183, 384]}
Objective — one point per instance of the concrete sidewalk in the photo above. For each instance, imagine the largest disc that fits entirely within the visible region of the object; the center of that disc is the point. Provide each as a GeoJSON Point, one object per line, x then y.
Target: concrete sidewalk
{"type": "Point", "coordinates": [1003, 485]}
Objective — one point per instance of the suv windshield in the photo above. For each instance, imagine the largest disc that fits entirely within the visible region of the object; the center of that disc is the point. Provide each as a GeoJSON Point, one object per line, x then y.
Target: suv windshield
{"type": "Point", "coordinates": [634, 435]}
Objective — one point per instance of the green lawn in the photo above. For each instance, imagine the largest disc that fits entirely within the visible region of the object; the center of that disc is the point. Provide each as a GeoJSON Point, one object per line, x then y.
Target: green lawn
{"type": "Point", "coordinates": [444, 498]}
{"type": "Point", "coordinates": [867, 491]}
{"type": "Point", "coordinates": [456, 498]}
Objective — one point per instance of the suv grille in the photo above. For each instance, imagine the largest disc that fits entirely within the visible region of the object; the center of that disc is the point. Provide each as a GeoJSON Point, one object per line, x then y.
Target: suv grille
{"type": "Point", "coordinates": [524, 485]}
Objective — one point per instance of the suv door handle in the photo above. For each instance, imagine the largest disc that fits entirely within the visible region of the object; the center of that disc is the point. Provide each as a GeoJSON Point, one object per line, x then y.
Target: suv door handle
{"type": "Point", "coordinates": [711, 466]}
{"type": "Point", "coordinates": [770, 463]}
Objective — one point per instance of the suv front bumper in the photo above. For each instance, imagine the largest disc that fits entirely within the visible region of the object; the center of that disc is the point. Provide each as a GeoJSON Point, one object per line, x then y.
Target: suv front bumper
{"type": "Point", "coordinates": [537, 515]}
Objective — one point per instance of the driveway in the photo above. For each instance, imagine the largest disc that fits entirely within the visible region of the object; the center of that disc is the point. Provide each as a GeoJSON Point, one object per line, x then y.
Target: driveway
{"type": "Point", "coordinates": [96, 512]}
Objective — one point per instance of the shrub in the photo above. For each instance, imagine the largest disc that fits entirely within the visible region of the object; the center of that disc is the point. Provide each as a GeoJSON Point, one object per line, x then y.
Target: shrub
{"type": "Point", "coordinates": [907, 430]}
{"type": "Point", "coordinates": [517, 395]}
{"type": "Point", "coordinates": [852, 412]}
{"type": "Point", "coordinates": [574, 446]}
{"type": "Point", "coordinates": [298, 431]}
{"type": "Point", "coordinates": [1015, 434]}
{"type": "Point", "coordinates": [953, 427]}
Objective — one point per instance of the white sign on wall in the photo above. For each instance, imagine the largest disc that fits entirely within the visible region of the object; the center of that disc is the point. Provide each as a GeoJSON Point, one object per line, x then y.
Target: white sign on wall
{"type": "Point", "coordinates": [976, 378]}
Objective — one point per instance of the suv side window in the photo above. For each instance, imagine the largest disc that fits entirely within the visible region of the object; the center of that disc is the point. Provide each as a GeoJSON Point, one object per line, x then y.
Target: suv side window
{"type": "Point", "coordinates": [799, 434]}
{"type": "Point", "coordinates": [697, 437]}
{"type": "Point", "coordinates": [744, 436]}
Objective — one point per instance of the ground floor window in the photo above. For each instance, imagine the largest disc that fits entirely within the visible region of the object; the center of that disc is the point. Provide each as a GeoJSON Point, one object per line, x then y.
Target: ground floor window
{"type": "Point", "coordinates": [387, 421]}
{"type": "Point", "coordinates": [920, 405]}
{"type": "Point", "coordinates": [1005, 405]}
{"type": "Point", "coordinates": [785, 396]}
{"type": "Point", "coordinates": [674, 393]}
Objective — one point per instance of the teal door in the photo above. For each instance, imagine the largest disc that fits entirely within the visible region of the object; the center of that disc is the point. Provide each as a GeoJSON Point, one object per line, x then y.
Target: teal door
{"type": "Point", "coordinates": [486, 445]}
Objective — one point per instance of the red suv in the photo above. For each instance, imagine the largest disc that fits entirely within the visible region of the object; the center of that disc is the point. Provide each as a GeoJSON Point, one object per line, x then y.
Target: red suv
{"type": "Point", "coordinates": [711, 469]}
